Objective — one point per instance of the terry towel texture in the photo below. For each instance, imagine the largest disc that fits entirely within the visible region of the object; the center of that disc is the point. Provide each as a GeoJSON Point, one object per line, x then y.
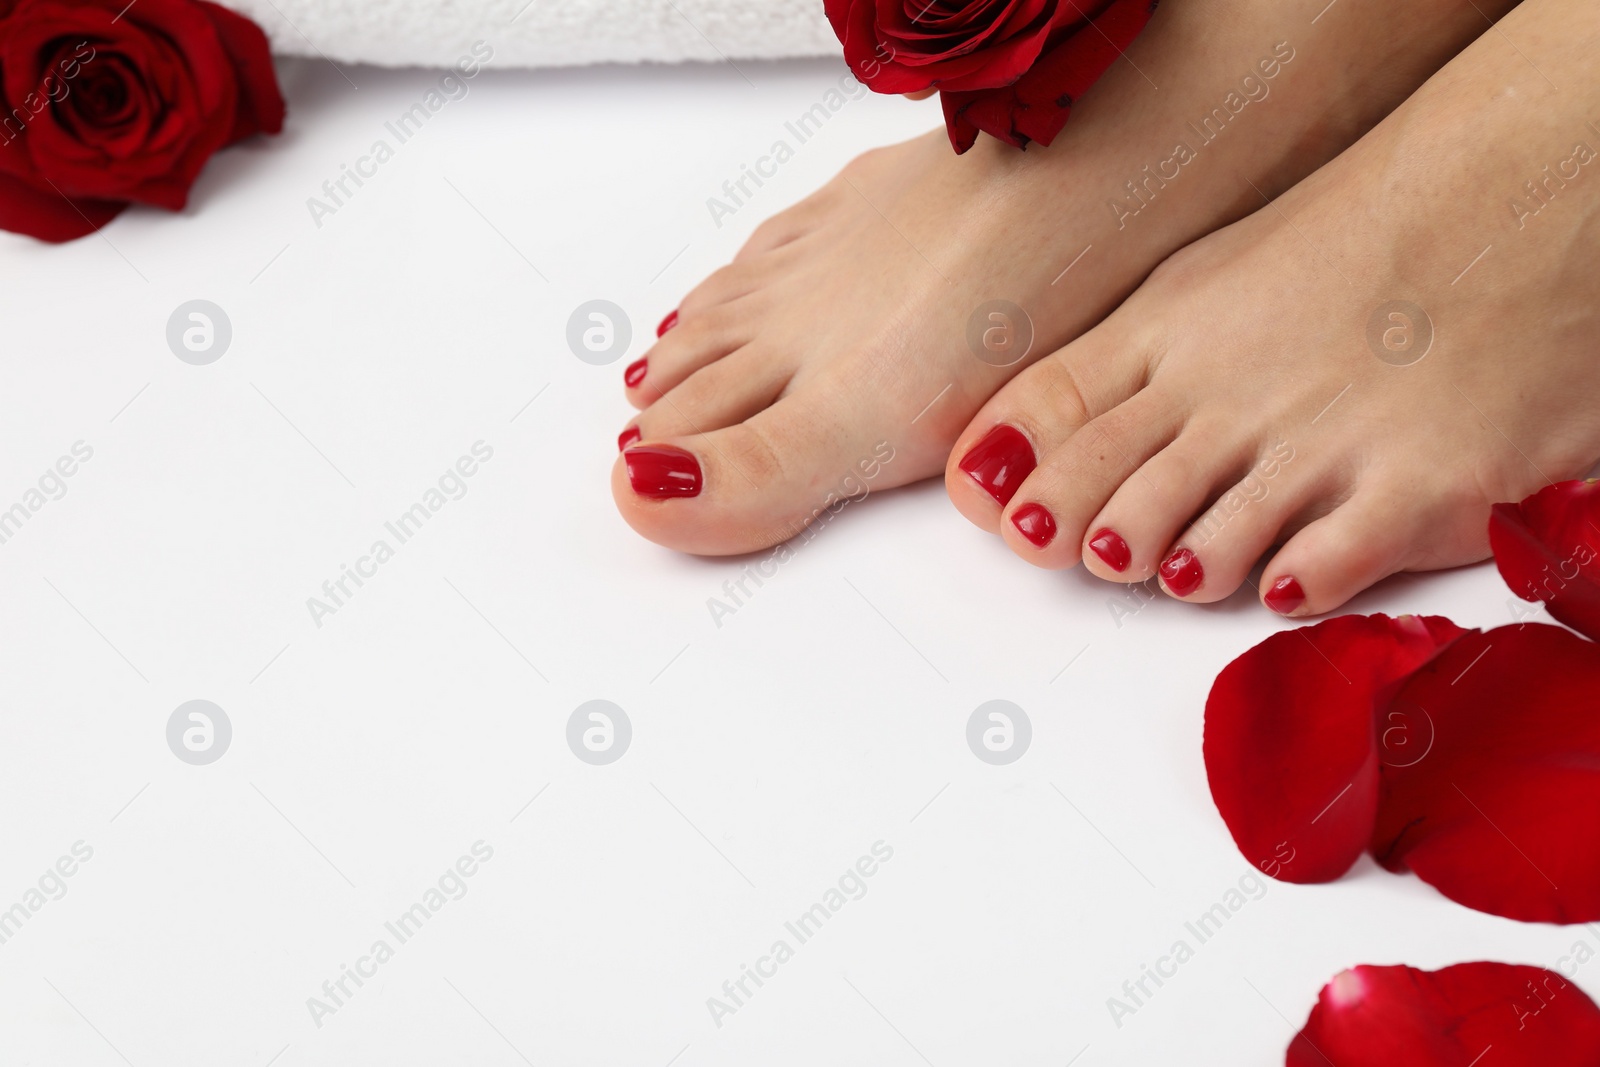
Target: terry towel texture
{"type": "Point", "coordinates": [543, 33]}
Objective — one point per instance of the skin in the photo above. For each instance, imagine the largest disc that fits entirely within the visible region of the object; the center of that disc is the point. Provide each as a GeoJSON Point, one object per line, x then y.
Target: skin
{"type": "Point", "coordinates": [1256, 339]}
{"type": "Point", "coordinates": [843, 322]}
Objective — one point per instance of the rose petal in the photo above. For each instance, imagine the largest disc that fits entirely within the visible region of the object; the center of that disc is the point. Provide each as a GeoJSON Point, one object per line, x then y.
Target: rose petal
{"type": "Point", "coordinates": [48, 215]}
{"type": "Point", "coordinates": [1548, 548]}
{"type": "Point", "coordinates": [1501, 810]}
{"type": "Point", "coordinates": [261, 107]}
{"type": "Point", "coordinates": [1291, 747]}
{"type": "Point", "coordinates": [1390, 1016]}
{"type": "Point", "coordinates": [1037, 105]}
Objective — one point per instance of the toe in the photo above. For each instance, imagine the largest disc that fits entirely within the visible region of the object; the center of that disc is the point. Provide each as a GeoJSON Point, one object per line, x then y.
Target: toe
{"type": "Point", "coordinates": [758, 482]}
{"type": "Point", "coordinates": [786, 227]}
{"type": "Point", "coordinates": [1035, 414]}
{"type": "Point", "coordinates": [716, 396]}
{"type": "Point", "coordinates": [1046, 521]}
{"type": "Point", "coordinates": [689, 345]}
{"type": "Point", "coordinates": [1239, 526]}
{"type": "Point", "coordinates": [1359, 543]}
{"type": "Point", "coordinates": [1131, 537]}
{"type": "Point", "coordinates": [739, 278]}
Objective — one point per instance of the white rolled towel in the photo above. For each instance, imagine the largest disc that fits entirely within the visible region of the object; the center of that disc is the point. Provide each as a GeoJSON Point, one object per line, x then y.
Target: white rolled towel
{"type": "Point", "coordinates": [543, 33]}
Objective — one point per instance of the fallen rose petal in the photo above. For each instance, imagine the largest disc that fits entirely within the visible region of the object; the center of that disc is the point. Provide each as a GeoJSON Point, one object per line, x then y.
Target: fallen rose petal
{"type": "Point", "coordinates": [1473, 1013]}
{"type": "Point", "coordinates": [1502, 812]}
{"type": "Point", "coordinates": [1292, 746]}
{"type": "Point", "coordinates": [1548, 549]}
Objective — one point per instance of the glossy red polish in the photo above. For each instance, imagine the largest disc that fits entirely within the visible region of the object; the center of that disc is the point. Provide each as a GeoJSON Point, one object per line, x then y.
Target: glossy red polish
{"type": "Point", "coordinates": [661, 471]}
{"type": "Point", "coordinates": [1112, 549]}
{"type": "Point", "coordinates": [1285, 596]}
{"type": "Point", "coordinates": [631, 436]}
{"type": "Point", "coordinates": [1000, 462]}
{"type": "Point", "coordinates": [1182, 572]}
{"type": "Point", "coordinates": [635, 372]}
{"type": "Point", "coordinates": [1035, 522]}
{"type": "Point", "coordinates": [668, 323]}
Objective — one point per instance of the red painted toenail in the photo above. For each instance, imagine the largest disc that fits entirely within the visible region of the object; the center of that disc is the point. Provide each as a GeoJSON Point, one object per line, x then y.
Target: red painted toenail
{"type": "Point", "coordinates": [668, 323]}
{"type": "Point", "coordinates": [1035, 522]}
{"type": "Point", "coordinates": [635, 373]}
{"type": "Point", "coordinates": [661, 471]}
{"type": "Point", "coordinates": [1182, 572]}
{"type": "Point", "coordinates": [1000, 462]}
{"type": "Point", "coordinates": [1112, 550]}
{"type": "Point", "coordinates": [631, 436]}
{"type": "Point", "coordinates": [1285, 596]}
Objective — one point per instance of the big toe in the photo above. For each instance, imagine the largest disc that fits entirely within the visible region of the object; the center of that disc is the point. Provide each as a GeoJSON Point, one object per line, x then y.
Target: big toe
{"type": "Point", "coordinates": [1071, 428]}
{"type": "Point", "coordinates": [753, 479]}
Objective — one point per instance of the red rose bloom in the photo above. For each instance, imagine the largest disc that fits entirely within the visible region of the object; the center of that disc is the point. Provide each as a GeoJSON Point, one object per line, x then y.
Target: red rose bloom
{"type": "Point", "coordinates": [103, 104]}
{"type": "Point", "coordinates": [1011, 68]}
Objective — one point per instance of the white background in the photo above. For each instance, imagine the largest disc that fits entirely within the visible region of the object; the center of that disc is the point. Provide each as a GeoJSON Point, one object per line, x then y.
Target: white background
{"type": "Point", "coordinates": [768, 754]}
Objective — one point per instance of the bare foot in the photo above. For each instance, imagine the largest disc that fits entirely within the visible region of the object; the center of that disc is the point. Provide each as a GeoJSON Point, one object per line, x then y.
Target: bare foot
{"type": "Point", "coordinates": [833, 354]}
{"type": "Point", "coordinates": [1357, 371]}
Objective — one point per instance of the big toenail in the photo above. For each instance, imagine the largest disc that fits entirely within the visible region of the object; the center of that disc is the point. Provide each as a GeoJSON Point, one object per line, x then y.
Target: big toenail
{"type": "Point", "coordinates": [1035, 522]}
{"type": "Point", "coordinates": [631, 436]}
{"type": "Point", "coordinates": [1285, 596]}
{"type": "Point", "coordinates": [668, 323]}
{"type": "Point", "coordinates": [661, 471]}
{"type": "Point", "coordinates": [1000, 462]}
{"type": "Point", "coordinates": [635, 372]}
{"type": "Point", "coordinates": [1112, 549]}
{"type": "Point", "coordinates": [1182, 572]}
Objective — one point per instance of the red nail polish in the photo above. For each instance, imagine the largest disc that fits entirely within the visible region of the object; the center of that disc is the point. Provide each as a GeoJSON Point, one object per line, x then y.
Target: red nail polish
{"type": "Point", "coordinates": [668, 323]}
{"type": "Point", "coordinates": [1285, 596]}
{"type": "Point", "coordinates": [1182, 572]}
{"type": "Point", "coordinates": [1000, 462]}
{"type": "Point", "coordinates": [635, 373]}
{"type": "Point", "coordinates": [1112, 549]}
{"type": "Point", "coordinates": [632, 435]}
{"type": "Point", "coordinates": [1035, 522]}
{"type": "Point", "coordinates": [661, 471]}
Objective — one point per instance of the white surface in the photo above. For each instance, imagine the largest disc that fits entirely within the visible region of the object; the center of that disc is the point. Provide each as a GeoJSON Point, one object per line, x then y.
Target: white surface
{"type": "Point", "coordinates": [406, 728]}
{"type": "Point", "coordinates": [543, 33]}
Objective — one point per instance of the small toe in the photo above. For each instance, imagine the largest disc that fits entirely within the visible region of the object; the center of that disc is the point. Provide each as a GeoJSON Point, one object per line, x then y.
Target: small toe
{"type": "Point", "coordinates": [687, 346]}
{"type": "Point", "coordinates": [1137, 527]}
{"type": "Point", "coordinates": [1356, 545]}
{"type": "Point", "coordinates": [737, 279]}
{"type": "Point", "coordinates": [785, 228]}
{"type": "Point", "coordinates": [1241, 524]}
{"type": "Point", "coordinates": [719, 395]}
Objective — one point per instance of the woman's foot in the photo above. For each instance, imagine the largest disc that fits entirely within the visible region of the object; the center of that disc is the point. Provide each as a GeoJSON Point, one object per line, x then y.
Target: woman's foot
{"type": "Point", "coordinates": [833, 355]}
{"type": "Point", "coordinates": [1356, 372]}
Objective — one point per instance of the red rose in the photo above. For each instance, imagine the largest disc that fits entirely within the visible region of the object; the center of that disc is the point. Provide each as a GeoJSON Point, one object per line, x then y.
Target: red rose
{"type": "Point", "coordinates": [105, 103]}
{"type": "Point", "coordinates": [1011, 68]}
